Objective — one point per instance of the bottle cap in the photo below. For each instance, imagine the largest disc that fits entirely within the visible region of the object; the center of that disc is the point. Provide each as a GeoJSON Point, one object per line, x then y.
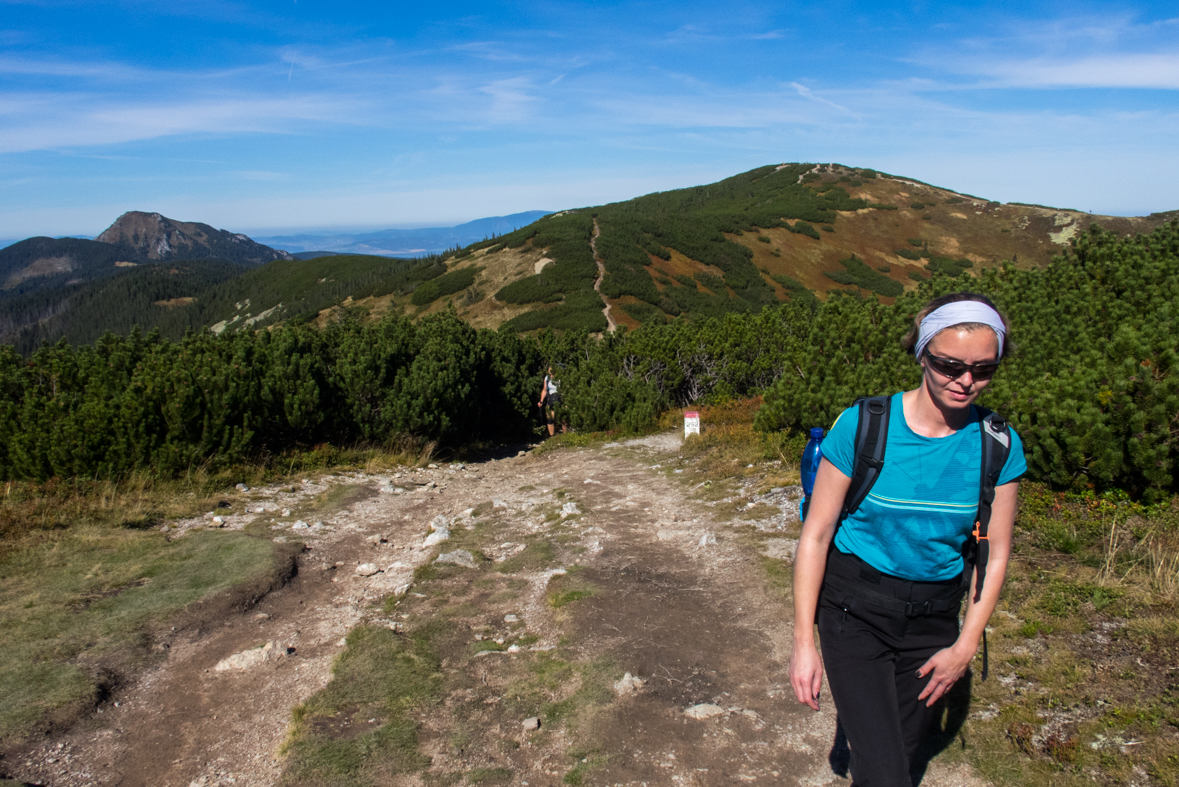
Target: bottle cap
{"type": "Point", "coordinates": [817, 432]}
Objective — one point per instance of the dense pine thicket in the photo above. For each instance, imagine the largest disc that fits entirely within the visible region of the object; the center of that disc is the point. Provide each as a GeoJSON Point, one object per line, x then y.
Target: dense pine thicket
{"type": "Point", "coordinates": [1093, 390]}
{"type": "Point", "coordinates": [142, 402]}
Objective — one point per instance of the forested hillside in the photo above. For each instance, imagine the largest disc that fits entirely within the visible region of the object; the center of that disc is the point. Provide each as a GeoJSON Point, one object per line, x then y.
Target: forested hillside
{"type": "Point", "coordinates": [203, 295]}
{"type": "Point", "coordinates": [1093, 389]}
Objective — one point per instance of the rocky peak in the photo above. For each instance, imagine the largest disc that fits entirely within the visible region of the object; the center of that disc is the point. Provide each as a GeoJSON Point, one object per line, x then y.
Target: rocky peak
{"type": "Point", "coordinates": [157, 237]}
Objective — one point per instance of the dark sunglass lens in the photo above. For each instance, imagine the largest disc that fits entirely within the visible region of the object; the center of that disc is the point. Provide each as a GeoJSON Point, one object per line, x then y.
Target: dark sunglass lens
{"type": "Point", "coordinates": [947, 367]}
{"type": "Point", "coordinates": [984, 371]}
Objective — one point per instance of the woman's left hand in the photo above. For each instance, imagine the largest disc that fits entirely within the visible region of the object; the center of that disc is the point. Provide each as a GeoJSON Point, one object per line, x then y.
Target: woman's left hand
{"type": "Point", "coordinates": [947, 665]}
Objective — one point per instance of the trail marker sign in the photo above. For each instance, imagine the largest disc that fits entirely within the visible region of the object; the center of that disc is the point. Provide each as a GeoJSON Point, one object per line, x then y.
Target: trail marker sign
{"type": "Point", "coordinates": [691, 423]}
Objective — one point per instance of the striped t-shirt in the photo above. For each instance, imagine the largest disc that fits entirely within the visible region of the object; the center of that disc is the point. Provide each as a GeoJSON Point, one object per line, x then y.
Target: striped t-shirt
{"type": "Point", "coordinates": [922, 508]}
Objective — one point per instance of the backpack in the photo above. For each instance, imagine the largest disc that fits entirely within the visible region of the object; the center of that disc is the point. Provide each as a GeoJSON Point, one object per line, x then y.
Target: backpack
{"type": "Point", "coordinates": [871, 440]}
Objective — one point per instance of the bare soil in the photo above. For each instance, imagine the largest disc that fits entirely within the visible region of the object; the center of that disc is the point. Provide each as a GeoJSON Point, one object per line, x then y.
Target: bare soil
{"type": "Point", "coordinates": [680, 597]}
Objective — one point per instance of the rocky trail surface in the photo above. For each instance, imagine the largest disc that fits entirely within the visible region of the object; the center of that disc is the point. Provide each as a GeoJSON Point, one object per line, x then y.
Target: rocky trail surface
{"type": "Point", "coordinates": [605, 562]}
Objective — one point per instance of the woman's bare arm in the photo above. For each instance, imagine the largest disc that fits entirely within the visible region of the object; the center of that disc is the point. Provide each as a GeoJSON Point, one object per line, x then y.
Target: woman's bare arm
{"type": "Point", "coordinates": [810, 563]}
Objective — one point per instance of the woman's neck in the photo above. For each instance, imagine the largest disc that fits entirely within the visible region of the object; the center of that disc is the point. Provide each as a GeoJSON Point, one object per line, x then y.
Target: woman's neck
{"type": "Point", "coordinates": [926, 418]}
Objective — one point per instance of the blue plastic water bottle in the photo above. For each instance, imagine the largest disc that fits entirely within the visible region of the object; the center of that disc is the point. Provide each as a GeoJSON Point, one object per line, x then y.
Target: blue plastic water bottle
{"type": "Point", "coordinates": [810, 466]}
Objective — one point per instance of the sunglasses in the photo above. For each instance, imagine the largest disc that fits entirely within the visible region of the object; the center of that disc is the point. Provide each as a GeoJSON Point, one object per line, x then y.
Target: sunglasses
{"type": "Point", "coordinates": [955, 369]}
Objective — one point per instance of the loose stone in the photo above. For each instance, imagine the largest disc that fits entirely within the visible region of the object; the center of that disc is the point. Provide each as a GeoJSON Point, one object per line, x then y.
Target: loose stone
{"type": "Point", "coordinates": [705, 710]}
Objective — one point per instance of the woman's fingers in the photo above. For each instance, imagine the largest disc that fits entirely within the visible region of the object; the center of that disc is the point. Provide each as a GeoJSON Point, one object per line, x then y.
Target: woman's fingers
{"type": "Point", "coordinates": [946, 669]}
{"type": "Point", "coordinates": [806, 678]}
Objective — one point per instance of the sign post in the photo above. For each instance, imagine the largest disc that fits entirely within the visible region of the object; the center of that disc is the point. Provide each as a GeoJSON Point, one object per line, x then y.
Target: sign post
{"type": "Point", "coordinates": [691, 423]}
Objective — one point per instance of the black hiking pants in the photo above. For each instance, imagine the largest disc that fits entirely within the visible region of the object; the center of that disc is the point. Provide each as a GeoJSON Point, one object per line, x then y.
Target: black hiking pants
{"type": "Point", "coordinates": [872, 654]}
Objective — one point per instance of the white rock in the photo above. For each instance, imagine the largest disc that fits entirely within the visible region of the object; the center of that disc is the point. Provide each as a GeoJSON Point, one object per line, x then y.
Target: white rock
{"type": "Point", "coordinates": [468, 512]}
{"type": "Point", "coordinates": [459, 557]}
{"type": "Point", "coordinates": [532, 723]}
{"type": "Point", "coordinates": [708, 540]}
{"type": "Point", "coordinates": [439, 523]}
{"type": "Point", "coordinates": [217, 520]}
{"type": "Point", "coordinates": [705, 710]}
{"type": "Point", "coordinates": [497, 503]}
{"type": "Point", "coordinates": [511, 619]}
{"type": "Point", "coordinates": [367, 569]}
{"type": "Point", "coordinates": [300, 525]}
{"type": "Point", "coordinates": [401, 589]}
{"type": "Point", "coordinates": [437, 537]}
{"type": "Point", "coordinates": [570, 509]}
{"type": "Point", "coordinates": [271, 651]}
{"type": "Point", "coordinates": [781, 548]}
{"type": "Point", "coordinates": [592, 481]}
{"type": "Point", "coordinates": [377, 539]}
{"type": "Point", "coordinates": [242, 488]}
{"type": "Point", "coordinates": [629, 684]}
{"type": "Point", "coordinates": [432, 466]}
{"type": "Point", "coordinates": [286, 512]}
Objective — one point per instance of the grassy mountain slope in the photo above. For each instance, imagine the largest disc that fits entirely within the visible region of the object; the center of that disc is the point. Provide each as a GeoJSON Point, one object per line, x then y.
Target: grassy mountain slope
{"type": "Point", "coordinates": [760, 237]}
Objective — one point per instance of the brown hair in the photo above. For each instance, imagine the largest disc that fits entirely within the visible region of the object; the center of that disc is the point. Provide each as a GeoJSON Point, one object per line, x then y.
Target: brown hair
{"type": "Point", "coordinates": [910, 340]}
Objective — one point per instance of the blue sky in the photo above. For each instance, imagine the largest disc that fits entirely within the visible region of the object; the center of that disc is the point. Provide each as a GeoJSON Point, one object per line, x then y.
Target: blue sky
{"type": "Point", "coordinates": [315, 114]}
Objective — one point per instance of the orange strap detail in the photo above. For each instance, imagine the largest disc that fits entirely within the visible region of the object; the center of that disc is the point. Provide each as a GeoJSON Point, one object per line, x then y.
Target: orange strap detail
{"type": "Point", "coordinates": [977, 536]}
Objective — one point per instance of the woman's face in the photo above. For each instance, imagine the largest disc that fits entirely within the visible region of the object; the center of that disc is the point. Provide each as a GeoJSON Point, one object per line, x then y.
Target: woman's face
{"type": "Point", "coordinates": [969, 347]}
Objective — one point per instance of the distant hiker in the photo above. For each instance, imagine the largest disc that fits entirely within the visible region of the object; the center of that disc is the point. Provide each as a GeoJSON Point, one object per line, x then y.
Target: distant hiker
{"type": "Point", "coordinates": [550, 400]}
{"type": "Point", "coordinates": [885, 573]}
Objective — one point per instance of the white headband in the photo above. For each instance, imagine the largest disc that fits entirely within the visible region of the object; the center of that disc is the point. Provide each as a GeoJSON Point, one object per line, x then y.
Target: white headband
{"type": "Point", "coordinates": [955, 314]}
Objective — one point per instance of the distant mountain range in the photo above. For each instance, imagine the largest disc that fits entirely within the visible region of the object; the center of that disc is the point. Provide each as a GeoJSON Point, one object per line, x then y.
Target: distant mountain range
{"type": "Point", "coordinates": [403, 243]}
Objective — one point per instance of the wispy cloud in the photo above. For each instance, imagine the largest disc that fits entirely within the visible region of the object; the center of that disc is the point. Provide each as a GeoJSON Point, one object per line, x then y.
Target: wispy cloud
{"type": "Point", "coordinates": [97, 123]}
{"type": "Point", "coordinates": [806, 93]}
{"type": "Point", "coordinates": [510, 99]}
{"type": "Point", "coordinates": [1129, 70]}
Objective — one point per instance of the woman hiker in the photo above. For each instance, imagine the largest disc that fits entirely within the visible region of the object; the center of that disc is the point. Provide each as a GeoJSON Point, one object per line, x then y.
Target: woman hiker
{"type": "Point", "coordinates": [550, 399]}
{"type": "Point", "coordinates": [886, 580]}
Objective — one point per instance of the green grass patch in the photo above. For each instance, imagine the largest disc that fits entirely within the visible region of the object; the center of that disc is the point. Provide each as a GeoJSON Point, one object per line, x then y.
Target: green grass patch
{"type": "Point", "coordinates": [565, 589]}
{"type": "Point", "coordinates": [584, 765]}
{"type": "Point", "coordinates": [534, 557]}
{"type": "Point", "coordinates": [382, 676]}
{"type": "Point", "coordinates": [558, 600]}
{"type": "Point", "coordinates": [78, 607]}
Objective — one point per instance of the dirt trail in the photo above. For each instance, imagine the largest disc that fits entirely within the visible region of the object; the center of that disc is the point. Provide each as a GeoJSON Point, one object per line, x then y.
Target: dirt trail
{"type": "Point", "coordinates": [680, 601]}
{"type": "Point", "coordinates": [610, 324]}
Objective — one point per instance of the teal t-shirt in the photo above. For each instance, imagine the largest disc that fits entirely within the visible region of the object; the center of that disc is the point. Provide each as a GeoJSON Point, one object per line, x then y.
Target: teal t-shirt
{"type": "Point", "coordinates": [922, 508]}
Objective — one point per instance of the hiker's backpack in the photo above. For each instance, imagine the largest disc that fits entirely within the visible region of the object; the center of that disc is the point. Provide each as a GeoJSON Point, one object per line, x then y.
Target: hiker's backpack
{"type": "Point", "coordinates": [871, 439]}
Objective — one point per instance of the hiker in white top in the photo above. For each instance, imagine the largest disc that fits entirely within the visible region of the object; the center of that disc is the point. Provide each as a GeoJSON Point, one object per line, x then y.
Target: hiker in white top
{"type": "Point", "coordinates": [550, 400]}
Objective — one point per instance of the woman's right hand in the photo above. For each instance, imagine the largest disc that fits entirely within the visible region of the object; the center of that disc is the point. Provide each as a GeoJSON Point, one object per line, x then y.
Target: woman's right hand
{"type": "Point", "coordinates": [806, 675]}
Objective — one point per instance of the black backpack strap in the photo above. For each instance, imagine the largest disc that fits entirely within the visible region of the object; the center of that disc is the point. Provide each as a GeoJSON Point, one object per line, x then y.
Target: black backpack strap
{"type": "Point", "coordinates": [871, 438]}
{"type": "Point", "coordinates": [996, 446]}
